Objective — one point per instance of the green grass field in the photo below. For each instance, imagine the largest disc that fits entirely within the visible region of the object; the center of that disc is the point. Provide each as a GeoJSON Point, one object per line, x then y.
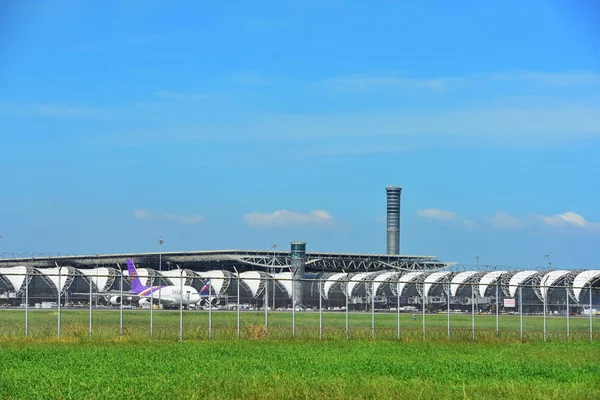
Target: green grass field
{"type": "Point", "coordinates": [75, 324]}
{"type": "Point", "coordinates": [271, 364]}
{"type": "Point", "coordinates": [291, 369]}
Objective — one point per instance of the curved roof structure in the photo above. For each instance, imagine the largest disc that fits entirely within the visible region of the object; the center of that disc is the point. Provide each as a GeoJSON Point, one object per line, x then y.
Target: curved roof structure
{"type": "Point", "coordinates": [252, 279]}
{"type": "Point", "coordinates": [381, 278]}
{"type": "Point", "coordinates": [332, 280]}
{"type": "Point", "coordinates": [517, 279]}
{"type": "Point", "coordinates": [356, 280]}
{"type": "Point", "coordinates": [284, 279]}
{"type": "Point", "coordinates": [100, 277]}
{"type": "Point", "coordinates": [459, 279]}
{"type": "Point", "coordinates": [15, 276]}
{"type": "Point", "coordinates": [406, 279]}
{"type": "Point", "coordinates": [432, 279]}
{"type": "Point", "coordinates": [583, 279]}
{"type": "Point", "coordinates": [487, 279]}
{"type": "Point", "coordinates": [550, 279]}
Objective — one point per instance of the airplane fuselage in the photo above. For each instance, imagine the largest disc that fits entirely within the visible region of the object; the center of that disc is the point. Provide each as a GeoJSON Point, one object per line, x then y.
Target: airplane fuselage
{"type": "Point", "coordinates": [172, 295]}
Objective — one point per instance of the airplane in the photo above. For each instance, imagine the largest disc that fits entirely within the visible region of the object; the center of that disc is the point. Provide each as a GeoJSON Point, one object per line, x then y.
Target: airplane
{"type": "Point", "coordinates": [168, 295]}
{"type": "Point", "coordinates": [207, 299]}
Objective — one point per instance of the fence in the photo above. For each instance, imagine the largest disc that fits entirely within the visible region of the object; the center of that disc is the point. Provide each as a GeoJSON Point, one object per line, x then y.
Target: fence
{"type": "Point", "coordinates": [69, 303]}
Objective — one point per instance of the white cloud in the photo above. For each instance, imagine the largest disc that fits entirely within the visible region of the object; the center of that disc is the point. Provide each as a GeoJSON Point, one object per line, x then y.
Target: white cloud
{"type": "Point", "coordinates": [364, 82]}
{"type": "Point", "coordinates": [503, 220]}
{"type": "Point", "coordinates": [436, 213]}
{"type": "Point", "coordinates": [566, 219]}
{"type": "Point", "coordinates": [185, 219]}
{"type": "Point", "coordinates": [288, 218]}
{"type": "Point", "coordinates": [141, 214]}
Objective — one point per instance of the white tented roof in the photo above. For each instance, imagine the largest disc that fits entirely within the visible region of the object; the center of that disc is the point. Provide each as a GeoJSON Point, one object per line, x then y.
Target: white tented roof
{"type": "Point", "coordinates": [550, 279]}
{"type": "Point", "coordinates": [98, 276]}
{"type": "Point", "coordinates": [285, 279]}
{"type": "Point", "coordinates": [217, 278]}
{"type": "Point", "coordinates": [459, 279]}
{"type": "Point", "coordinates": [252, 279]}
{"type": "Point", "coordinates": [356, 280]}
{"type": "Point", "coordinates": [431, 279]}
{"type": "Point", "coordinates": [52, 274]}
{"type": "Point", "coordinates": [487, 279]}
{"type": "Point", "coordinates": [582, 279]}
{"type": "Point", "coordinates": [15, 275]}
{"type": "Point", "coordinates": [331, 281]}
{"type": "Point", "coordinates": [406, 279]}
{"type": "Point", "coordinates": [517, 279]}
{"type": "Point", "coordinates": [379, 279]}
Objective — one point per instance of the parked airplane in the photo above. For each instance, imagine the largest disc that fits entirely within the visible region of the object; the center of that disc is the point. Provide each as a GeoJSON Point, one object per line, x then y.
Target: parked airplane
{"type": "Point", "coordinates": [168, 295]}
{"type": "Point", "coordinates": [171, 295]}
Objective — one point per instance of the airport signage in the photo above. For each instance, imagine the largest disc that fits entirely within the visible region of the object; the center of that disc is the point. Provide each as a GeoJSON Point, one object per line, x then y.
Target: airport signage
{"type": "Point", "coordinates": [509, 303]}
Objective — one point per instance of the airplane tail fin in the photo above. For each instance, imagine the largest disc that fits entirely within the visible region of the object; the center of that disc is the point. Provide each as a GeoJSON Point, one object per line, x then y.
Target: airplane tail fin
{"type": "Point", "coordinates": [205, 289]}
{"type": "Point", "coordinates": [136, 283]}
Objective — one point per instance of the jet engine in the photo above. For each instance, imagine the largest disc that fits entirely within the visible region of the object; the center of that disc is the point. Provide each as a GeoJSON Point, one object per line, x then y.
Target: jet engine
{"type": "Point", "coordinates": [213, 301]}
{"type": "Point", "coordinates": [144, 301]}
{"type": "Point", "coordinates": [115, 300]}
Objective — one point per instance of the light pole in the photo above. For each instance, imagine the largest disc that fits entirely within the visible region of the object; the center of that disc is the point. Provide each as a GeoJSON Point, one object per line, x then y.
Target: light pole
{"type": "Point", "coordinates": [546, 259]}
{"type": "Point", "coordinates": [273, 246]}
{"type": "Point", "coordinates": [160, 243]}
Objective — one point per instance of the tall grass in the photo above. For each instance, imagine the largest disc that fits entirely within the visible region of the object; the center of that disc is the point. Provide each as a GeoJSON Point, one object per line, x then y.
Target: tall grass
{"type": "Point", "coordinates": [288, 369]}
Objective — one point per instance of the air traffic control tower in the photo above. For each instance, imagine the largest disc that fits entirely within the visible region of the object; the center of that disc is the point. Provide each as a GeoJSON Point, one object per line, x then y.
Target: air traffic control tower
{"type": "Point", "coordinates": [393, 219]}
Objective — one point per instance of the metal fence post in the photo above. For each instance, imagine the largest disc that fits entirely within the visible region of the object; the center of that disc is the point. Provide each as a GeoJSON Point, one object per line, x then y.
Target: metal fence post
{"type": "Point", "coordinates": [372, 310]}
{"type": "Point", "coordinates": [266, 305]}
{"type": "Point", "coordinates": [320, 310]}
{"type": "Point", "coordinates": [90, 310]}
{"type": "Point", "coordinates": [26, 302]}
{"type": "Point", "coordinates": [293, 306]}
{"type": "Point", "coordinates": [448, 313]}
{"type": "Point", "coordinates": [152, 308]}
{"type": "Point", "coordinates": [121, 307]}
{"type": "Point", "coordinates": [568, 316]}
{"type": "Point", "coordinates": [545, 309]}
{"type": "Point", "coordinates": [347, 325]}
{"type": "Point", "coordinates": [521, 311]}
{"type": "Point", "coordinates": [238, 304]}
{"type": "Point", "coordinates": [398, 306]}
{"type": "Point", "coordinates": [473, 310]}
{"type": "Point", "coordinates": [181, 304]}
{"type": "Point", "coordinates": [591, 323]}
{"type": "Point", "coordinates": [497, 311]}
{"type": "Point", "coordinates": [423, 299]}
{"type": "Point", "coordinates": [59, 293]}
{"type": "Point", "coordinates": [209, 309]}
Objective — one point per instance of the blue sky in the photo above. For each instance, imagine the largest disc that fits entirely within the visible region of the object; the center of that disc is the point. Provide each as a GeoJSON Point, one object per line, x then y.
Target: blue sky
{"type": "Point", "coordinates": [219, 125]}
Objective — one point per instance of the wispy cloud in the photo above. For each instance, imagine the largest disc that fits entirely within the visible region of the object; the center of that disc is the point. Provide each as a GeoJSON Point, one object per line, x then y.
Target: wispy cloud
{"type": "Point", "coordinates": [503, 220]}
{"type": "Point", "coordinates": [436, 213]}
{"type": "Point", "coordinates": [568, 218]}
{"type": "Point", "coordinates": [185, 219]}
{"type": "Point", "coordinates": [141, 214]}
{"type": "Point", "coordinates": [365, 82]}
{"type": "Point", "coordinates": [569, 78]}
{"type": "Point", "coordinates": [390, 81]}
{"type": "Point", "coordinates": [288, 218]}
{"type": "Point", "coordinates": [449, 216]}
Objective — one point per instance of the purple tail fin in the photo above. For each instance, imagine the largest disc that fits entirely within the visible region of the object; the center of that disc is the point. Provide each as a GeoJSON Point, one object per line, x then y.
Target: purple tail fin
{"type": "Point", "coordinates": [136, 283]}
